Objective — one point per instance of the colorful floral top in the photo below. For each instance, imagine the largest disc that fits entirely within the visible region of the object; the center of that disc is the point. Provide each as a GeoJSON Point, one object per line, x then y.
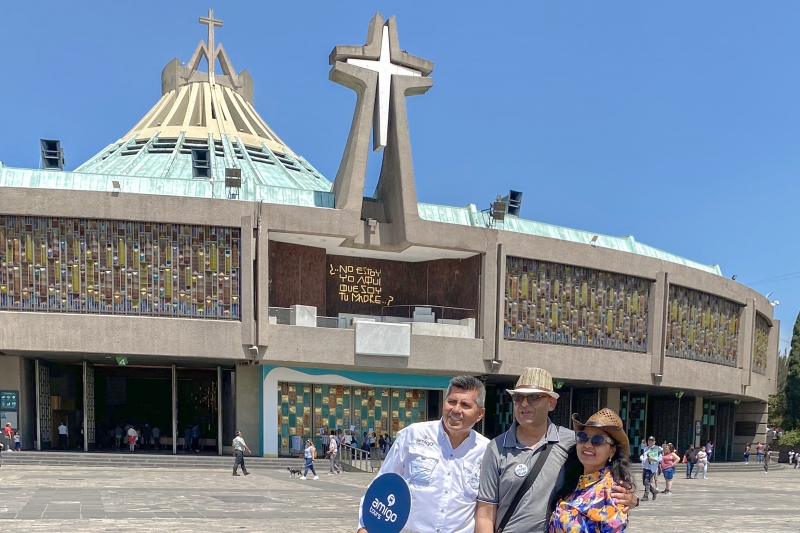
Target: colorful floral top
{"type": "Point", "coordinates": [590, 509]}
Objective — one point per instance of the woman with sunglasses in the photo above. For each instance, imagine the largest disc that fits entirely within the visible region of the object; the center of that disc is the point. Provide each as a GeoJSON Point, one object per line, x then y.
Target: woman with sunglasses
{"type": "Point", "coordinates": [604, 450]}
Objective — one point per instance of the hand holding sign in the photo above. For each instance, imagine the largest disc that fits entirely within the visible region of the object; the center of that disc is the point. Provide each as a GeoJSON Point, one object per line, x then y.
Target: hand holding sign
{"type": "Point", "coordinates": [387, 505]}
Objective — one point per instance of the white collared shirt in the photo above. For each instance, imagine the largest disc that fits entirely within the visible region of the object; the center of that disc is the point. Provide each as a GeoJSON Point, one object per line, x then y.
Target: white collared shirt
{"type": "Point", "coordinates": [443, 481]}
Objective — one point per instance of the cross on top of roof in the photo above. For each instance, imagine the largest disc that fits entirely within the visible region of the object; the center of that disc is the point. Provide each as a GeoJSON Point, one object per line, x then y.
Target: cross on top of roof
{"type": "Point", "coordinates": [211, 22]}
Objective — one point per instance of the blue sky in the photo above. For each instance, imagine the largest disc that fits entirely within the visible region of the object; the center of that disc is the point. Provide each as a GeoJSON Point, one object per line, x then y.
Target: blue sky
{"type": "Point", "coordinates": [677, 122]}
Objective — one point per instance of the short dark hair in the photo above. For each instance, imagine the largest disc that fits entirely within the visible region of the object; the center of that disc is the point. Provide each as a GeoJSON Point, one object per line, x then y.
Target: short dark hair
{"type": "Point", "coordinates": [469, 384]}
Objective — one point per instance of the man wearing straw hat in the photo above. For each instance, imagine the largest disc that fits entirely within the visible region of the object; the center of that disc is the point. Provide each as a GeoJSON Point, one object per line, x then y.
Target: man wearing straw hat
{"type": "Point", "coordinates": [528, 466]}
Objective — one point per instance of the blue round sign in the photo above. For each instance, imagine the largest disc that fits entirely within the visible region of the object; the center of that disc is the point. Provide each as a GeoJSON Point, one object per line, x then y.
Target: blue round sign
{"type": "Point", "coordinates": [387, 504]}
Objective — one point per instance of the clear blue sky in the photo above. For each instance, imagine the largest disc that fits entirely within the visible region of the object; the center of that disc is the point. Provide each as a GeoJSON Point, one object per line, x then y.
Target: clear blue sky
{"type": "Point", "coordinates": [677, 122]}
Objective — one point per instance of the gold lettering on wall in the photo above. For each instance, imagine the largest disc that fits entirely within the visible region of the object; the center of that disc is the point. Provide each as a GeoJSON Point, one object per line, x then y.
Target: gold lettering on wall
{"type": "Point", "coordinates": [360, 284]}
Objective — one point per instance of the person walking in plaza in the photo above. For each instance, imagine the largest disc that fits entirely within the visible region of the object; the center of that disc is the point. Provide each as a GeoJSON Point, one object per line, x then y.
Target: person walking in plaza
{"type": "Point", "coordinates": [747, 454]}
{"type": "Point", "coordinates": [8, 433]}
{"type": "Point", "coordinates": [604, 451]}
{"type": "Point", "coordinates": [690, 458]}
{"type": "Point", "coordinates": [117, 437]}
{"type": "Point", "coordinates": [767, 457]}
{"type": "Point", "coordinates": [527, 469]}
{"type": "Point", "coordinates": [709, 450]}
{"type": "Point", "coordinates": [668, 461]}
{"type": "Point", "coordinates": [759, 451]}
{"type": "Point", "coordinates": [157, 438]}
{"type": "Point", "coordinates": [702, 463]}
{"type": "Point", "coordinates": [17, 442]}
{"type": "Point", "coordinates": [132, 438]}
{"type": "Point", "coordinates": [63, 436]}
{"type": "Point", "coordinates": [310, 454]}
{"type": "Point", "coordinates": [441, 462]}
{"type": "Point", "coordinates": [333, 452]}
{"type": "Point", "coordinates": [651, 459]}
{"type": "Point", "coordinates": [239, 446]}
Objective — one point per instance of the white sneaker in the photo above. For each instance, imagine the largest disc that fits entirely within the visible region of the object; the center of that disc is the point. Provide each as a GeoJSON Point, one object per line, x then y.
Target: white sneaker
{"type": "Point", "coordinates": [302, 477]}
{"type": "Point", "coordinates": [316, 477]}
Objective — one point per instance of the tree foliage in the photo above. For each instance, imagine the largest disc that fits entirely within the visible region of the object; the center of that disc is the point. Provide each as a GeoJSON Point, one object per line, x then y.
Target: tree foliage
{"type": "Point", "coordinates": [793, 380]}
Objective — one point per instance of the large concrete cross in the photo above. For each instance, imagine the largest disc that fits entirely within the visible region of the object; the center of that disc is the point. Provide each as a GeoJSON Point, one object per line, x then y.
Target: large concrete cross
{"type": "Point", "coordinates": [212, 52]}
{"type": "Point", "coordinates": [385, 69]}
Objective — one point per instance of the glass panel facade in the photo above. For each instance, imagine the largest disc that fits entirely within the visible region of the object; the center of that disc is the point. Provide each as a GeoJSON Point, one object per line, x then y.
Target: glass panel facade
{"type": "Point", "coordinates": [564, 304]}
{"type": "Point", "coordinates": [761, 345]}
{"type": "Point", "coordinates": [702, 326]}
{"type": "Point", "coordinates": [119, 267]}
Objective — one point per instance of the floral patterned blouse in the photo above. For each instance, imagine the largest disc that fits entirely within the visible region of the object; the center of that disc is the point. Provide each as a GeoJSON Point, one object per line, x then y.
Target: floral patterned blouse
{"type": "Point", "coordinates": [590, 509]}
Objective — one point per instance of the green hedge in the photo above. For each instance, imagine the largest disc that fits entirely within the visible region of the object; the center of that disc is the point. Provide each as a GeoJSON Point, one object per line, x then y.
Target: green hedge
{"type": "Point", "coordinates": [790, 438]}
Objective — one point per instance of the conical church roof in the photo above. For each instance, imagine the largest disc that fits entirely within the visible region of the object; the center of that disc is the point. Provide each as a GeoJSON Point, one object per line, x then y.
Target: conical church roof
{"type": "Point", "coordinates": [210, 114]}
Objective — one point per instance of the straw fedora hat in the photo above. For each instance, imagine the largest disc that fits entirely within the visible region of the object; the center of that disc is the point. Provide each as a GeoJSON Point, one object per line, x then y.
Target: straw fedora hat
{"type": "Point", "coordinates": [534, 380]}
{"type": "Point", "coordinates": [608, 421]}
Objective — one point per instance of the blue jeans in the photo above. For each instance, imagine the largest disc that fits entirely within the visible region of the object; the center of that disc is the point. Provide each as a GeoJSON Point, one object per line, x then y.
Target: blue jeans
{"type": "Point", "coordinates": [689, 467]}
{"type": "Point", "coordinates": [309, 465]}
{"type": "Point", "coordinates": [759, 456]}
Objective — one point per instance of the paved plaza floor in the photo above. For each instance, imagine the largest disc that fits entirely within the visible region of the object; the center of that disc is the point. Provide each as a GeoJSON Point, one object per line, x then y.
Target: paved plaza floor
{"type": "Point", "coordinates": [69, 499]}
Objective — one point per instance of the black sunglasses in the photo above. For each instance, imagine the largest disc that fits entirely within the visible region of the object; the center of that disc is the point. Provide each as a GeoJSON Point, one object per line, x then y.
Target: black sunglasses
{"type": "Point", "coordinates": [532, 399]}
{"type": "Point", "coordinates": [596, 440]}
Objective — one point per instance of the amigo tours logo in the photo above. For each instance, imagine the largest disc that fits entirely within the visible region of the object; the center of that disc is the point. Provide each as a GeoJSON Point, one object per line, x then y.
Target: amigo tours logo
{"type": "Point", "coordinates": [382, 511]}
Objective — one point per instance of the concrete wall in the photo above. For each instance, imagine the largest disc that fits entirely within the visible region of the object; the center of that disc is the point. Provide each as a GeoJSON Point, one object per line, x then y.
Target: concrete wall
{"type": "Point", "coordinates": [248, 406]}
{"type": "Point", "coordinates": [750, 412]}
{"type": "Point", "coordinates": [16, 373]}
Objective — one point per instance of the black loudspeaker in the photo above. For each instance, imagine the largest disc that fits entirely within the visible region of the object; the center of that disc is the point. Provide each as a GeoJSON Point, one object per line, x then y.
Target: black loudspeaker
{"type": "Point", "coordinates": [52, 155]}
{"type": "Point", "coordinates": [514, 201]}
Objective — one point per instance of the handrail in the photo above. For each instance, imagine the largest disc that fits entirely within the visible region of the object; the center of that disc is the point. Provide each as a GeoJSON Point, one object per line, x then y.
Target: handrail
{"type": "Point", "coordinates": [358, 459]}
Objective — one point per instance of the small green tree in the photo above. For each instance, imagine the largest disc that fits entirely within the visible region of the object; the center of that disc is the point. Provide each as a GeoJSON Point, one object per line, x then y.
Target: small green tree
{"type": "Point", "coordinates": [792, 389]}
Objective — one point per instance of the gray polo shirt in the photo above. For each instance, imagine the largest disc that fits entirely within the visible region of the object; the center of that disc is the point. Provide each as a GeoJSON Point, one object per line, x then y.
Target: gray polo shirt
{"type": "Point", "coordinates": [503, 473]}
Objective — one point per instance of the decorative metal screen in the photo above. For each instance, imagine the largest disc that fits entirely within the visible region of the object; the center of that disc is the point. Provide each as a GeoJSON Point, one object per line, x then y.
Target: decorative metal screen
{"type": "Point", "coordinates": [761, 347]}
{"type": "Point", "coordinates": [45, 418]}
{"type": "Point", "coordinates": [564, 304]}
{"type": "Point", "coordinates": [89, 406]}
{"type": "Point", "coordinates": [702, 326]}
{"type": "Point", "coordinates": [118, 267]}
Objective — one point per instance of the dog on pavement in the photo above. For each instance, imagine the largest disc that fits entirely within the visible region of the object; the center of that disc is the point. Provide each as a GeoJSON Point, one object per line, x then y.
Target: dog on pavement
{"type": "Point", "coordinates": [293, 472]}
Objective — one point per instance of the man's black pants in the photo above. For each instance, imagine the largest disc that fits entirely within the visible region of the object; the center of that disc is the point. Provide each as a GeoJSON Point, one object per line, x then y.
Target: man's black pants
{"type": "Point", "coordinates": [62, 441]}
{"type": "Point", "coordinates": [239, 462]}
{"type": "Point", "coordinates": [647, 476]}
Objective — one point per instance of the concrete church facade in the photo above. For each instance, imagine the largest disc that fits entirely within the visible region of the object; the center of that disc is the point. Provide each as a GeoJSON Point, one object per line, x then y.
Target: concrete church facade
{"type": "Point", "coordinates": [201, 259]}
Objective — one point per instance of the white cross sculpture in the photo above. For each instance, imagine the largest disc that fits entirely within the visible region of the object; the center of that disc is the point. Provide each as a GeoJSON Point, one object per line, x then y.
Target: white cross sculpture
{"type": "Point", "coordinates": [385, 69]}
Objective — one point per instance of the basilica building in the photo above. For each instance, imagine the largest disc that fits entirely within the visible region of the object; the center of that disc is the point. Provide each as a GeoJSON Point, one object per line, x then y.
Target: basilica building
{"type": "Point", "coordinates": [200, 273]}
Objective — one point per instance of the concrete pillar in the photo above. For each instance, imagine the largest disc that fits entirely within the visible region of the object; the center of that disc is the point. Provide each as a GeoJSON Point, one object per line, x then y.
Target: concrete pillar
{"type": "Point", "coordinates": [610, 397]}
{"type": "Point", "coordinates": [262, 286]}
{"type": "Point", "coordinates": [660, 297]}
{"type": "Point", "coordinates": [246, 272]}
{"type": "Point", "coordinates": [248, 407]}
{"type": "Point", "coordinates": [698, 417]}
{"type": "Point", "coordinates": [499, 291]}
{"type": "Point", "coordinates": [752, 418]}
{"type": "Point", "coordinates": [747, 339]}
{"type": "Point", "coordinates": [174, 410]}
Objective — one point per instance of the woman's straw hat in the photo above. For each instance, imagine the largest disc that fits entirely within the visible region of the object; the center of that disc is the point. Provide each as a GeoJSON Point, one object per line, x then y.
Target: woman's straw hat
{"type": "Point", "coordinates": [534, 380]}
{"type": "Point", "coordinates": [608, 421]}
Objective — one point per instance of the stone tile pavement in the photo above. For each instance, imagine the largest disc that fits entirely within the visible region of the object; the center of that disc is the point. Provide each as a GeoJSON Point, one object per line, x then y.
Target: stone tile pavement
{"type": "Point", "coordinates": [68, 499]}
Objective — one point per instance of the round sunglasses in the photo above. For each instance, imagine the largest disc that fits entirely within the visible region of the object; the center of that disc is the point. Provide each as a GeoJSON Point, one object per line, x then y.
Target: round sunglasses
{"type": "Point", "coordinates": [596, 440]}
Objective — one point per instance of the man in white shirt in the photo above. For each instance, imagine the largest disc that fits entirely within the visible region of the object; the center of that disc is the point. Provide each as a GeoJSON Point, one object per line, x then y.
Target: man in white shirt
{"type": "Point", "coordinates": [239, 446]}
{"type": "Point", "coordinates": [62, 436]}
{"type": "Point", "coordinates": [333, 451]}
{"type": "Point", "coordinates": [441, 462]}
{"type": "Point", "coordinates": [651, 458]}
